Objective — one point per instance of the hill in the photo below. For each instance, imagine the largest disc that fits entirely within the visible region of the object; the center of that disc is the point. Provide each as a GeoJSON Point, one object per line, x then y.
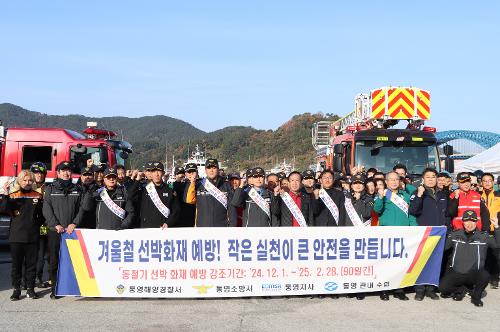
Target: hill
{"type": "Point", "coordinates": [238, 147]}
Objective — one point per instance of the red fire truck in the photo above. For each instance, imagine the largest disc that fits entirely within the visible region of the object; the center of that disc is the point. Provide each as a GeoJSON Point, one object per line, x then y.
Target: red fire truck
{"type": "Point", "coordinates": [21, 147]}
{"type": "Point", "coordinates": [364, 137]}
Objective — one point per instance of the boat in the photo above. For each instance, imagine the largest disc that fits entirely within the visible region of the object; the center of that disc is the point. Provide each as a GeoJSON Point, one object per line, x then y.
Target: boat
{"type": "Point", "coordinates": [283, 167]}
{"type": "Point", "coordinates": [198, 157]}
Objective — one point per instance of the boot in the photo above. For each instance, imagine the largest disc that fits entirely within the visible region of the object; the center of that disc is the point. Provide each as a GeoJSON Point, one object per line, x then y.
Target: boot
{"type": "Point", "coordinates": [31, 294]}
{"type": "Point", "coordinates": [419, 296]}
{"type": "Point", "coordinates": [15, 294]}
{"type": "Point", "coordinates": [53, 294]}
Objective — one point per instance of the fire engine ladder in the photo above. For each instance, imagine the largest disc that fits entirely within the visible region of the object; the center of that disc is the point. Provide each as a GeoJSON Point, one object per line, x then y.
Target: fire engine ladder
{"type": "Point", "coordinates": [321, 135]}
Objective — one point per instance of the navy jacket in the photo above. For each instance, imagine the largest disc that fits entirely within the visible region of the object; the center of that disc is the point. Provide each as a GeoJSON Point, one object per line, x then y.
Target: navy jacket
{"type": "Point", "coordinates": [430, 210]}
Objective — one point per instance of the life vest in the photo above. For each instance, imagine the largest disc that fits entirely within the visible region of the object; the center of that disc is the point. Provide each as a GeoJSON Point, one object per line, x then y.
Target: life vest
{"type": "Point", "coordinates": [470, 200]}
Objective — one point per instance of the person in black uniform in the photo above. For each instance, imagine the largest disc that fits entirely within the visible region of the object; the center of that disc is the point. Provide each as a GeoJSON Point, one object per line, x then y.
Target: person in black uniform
{"type": "Point", "coordinates": [212, 196]}
{"type": "Point", "coordinates": [62, 209]}
{"type": "Point", "coordinates": [110, 203]}
{"type": "Point", "coordinates": [257, 211]}
{"type": "Point", "coordinates": [159, 206]}
{"type": "Point", "coordinates": [469, 255]}
{"type": "Point", "coordinates": [187, 213]}
{"type": "Point", "coordinates": [322, 215]}
{"type": "Point", "coordinates": [24, 205]}
{"type": "Point", "coordinates": [39, 171]}
{"type": "Point", "coordinates": [88, 185]}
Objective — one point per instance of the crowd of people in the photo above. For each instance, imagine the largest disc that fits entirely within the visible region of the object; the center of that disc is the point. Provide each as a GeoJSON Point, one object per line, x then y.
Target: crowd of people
{"type": "Point", "coordinates": [115, 198]}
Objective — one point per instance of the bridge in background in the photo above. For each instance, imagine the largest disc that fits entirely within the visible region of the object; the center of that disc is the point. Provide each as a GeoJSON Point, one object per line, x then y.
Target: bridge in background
{"type": "Point", "coordinates": [467, 143]}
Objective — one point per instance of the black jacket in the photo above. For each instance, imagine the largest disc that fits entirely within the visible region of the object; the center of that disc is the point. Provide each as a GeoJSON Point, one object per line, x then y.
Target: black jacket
{"type": "Point", "coordinates": [89, 217]}
{"type": "Point", "coordinates": [323, 216]}
{"type": "Point", "coordinates": [105, 218]}
{"type": "Point", "coordinates": [430, 209]}
{"type": "Point", "coordinates": [469, 250]}
{"type": "Point", "coordinates": [25, 209]}
{"type": "Point", "coordinates": [209, 211]}
{"type": "Point", "coordinates": [283, 214]}
{"type": "Point", "coordinates": [62, 205]}
{"type": "Point", "coordinates": [253, 215]}
{"type": "Point", "coordinates": [363, 207]}
{"type": "Point", "coordinates": [187, 213]}
{"type": "Point", "coordinates": [150, 216]}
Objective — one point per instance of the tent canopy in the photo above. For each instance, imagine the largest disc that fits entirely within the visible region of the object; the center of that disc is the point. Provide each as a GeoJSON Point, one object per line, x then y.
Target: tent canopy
{"type": "Point", "coordinates": [486, 161]}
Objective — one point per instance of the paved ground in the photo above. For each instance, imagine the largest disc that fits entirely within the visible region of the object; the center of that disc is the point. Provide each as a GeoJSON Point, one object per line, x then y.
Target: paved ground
{"type": "Point", "coordinates": [256, 314]}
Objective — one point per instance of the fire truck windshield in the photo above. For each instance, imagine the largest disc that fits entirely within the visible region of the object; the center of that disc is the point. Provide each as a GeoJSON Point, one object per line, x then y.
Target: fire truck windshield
{"type": "Point", "coordinates": [93, 152]}
{"type": "Point", "coordinates": [383, 155]}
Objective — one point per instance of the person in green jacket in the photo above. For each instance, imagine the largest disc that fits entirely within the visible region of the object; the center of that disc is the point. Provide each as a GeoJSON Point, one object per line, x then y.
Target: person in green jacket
{"type": "Point", "coordinates": [393, 211]}
{"type": "Point", "coordinates": [391, 205]}
{"type": "Point", "coordinates": [404, 182]}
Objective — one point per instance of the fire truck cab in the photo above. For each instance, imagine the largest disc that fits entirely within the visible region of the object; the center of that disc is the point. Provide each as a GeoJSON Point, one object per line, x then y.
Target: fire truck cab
{"type": "Point", "coordinates": [365, 138]}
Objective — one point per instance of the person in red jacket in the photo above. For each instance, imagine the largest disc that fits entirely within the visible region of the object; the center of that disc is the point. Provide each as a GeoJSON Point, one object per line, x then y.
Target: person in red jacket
{"type": "Point", "coordinates": [463, 199]}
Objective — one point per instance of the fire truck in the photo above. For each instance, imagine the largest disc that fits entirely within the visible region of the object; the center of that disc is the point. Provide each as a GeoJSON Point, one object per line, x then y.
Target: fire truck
{"type": "Point", "coordinates": [21, 147]}
{"type": "Point", "coordinates": [367, 137]}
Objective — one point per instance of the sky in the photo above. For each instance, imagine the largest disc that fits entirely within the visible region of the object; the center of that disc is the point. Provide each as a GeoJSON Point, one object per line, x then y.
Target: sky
{"type": "Point", "coordinates": [253, 63]}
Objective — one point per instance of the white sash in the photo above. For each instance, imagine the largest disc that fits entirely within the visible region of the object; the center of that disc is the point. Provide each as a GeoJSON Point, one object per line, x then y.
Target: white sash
{"type": "Point", "coordinates": [294, 209]}
{"type": "Point", "coordinates": [215, 192]}
{"type": "Point", "coordinates": [260, 201]}
{"type": "Point", "coordinates": [150, 188]}
{"type": "Point", "coordinates": [353, 215]}
{"type": "Point", "coordinates": [398, 201]}
{"type": "Point", "coordinates": [117, 210]}
{"type": "Point", "coordinates": [330, 204]}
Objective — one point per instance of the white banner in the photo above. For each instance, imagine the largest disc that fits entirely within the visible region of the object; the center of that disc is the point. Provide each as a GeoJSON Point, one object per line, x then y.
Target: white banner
{"type": "Point", "coordinates": [253, 261]}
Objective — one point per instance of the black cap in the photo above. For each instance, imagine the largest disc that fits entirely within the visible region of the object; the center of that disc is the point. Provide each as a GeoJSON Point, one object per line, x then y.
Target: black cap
{"type": "Point", "coordinates": [259, 171]}
{"type": "Point", "coordinates": [463, 177]}
{"type": "Point", "coordinates": [190, 167]}
{"type": "Point", "coordinates": [358, 178]}
{"type": "Point", "coordinates": [64, 165]}
{"type": "Point", "coordinates": [179, 170]}
{"type": "Point", "coordinates": [469, 215]}
{"type": "Point", "coordinates": [99, 168]}
{"type": "Point", "coordinates": [212, 163]}
{"type": "Point", "coordinates": [249, 173]}
{"type": "Point", "coordinates": [281, 175]}
{"type": "Point", "coordinates": [87, 170]}
{"type": "Point", "coordinates": [156, 165]}
{"type": "Point", "coordinates": [110, 171]}
{"type": "Point", "coordinates": [234, 175]}
{"type": "Point", "coordinates": [308, 174]}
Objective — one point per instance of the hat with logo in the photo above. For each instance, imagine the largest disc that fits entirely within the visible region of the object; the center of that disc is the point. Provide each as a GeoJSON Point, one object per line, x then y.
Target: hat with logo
{"type": "Point", "coordinates": [463, 177]}
{"type": "Point", "coordinates": [190, 167]}
{"type": "Point", "coordinates": [155, 166]}
{"type": "Point", "coordinates": [179, 170]}
{"type": "Point", "coordinates": [358, 178]}
{"type": "Point", "coordinates": [64, 165]}
{"type": "Point", "coordinates": [281, 175]}
{"type": "Point", "coordinates": [212, 163]}
{"type": "Point", "coordinates": [308, 174]}
{"type": "Point", "coordinates": [259, 171]}
{"type": "Point", "coordinates": [469, 215]}
{"type": "Point", "coordinates": [110, 171]}
{"type": "Point", "coordinates": [87, 171]}
{"type": "Point", "coordinates": [249, 173]}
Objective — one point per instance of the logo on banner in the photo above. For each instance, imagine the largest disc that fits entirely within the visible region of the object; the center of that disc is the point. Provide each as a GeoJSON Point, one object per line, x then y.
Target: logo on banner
{"type": "Point", "coordinates": [271, 287]}
{"type": "Point", "coordinates": [331, 286]}
{"type": "Point", "coordinates": [120, 289]}
{"type": "Point", "coordinates": [203, 289]}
